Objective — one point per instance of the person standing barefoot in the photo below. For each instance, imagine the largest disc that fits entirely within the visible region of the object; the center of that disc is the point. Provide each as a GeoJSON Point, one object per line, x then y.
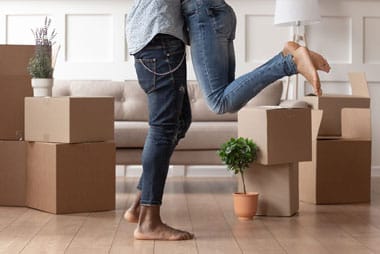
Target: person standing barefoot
{"type": "Point", "coordinates": [156, 39]}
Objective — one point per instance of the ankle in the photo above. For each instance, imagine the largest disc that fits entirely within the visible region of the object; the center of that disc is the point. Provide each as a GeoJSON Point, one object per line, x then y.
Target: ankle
{"type": "Point", "coordinates": [149, 216]}
{"type": "Point", "coordinates": [290, 47]}
{"type": "Point", "coordinates": [134, 207]}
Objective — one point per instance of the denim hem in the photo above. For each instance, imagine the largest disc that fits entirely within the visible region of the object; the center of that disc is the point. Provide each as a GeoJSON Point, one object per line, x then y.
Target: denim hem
{"type": "Point", "coordinates": [150, 203]}
{"type": "Point", "coordinates": [290, 64]}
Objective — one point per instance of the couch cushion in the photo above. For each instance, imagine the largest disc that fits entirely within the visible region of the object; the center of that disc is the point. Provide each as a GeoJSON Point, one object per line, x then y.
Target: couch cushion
{"type": "Point", "coordinates": [199, 109]}
{"type": "Point", "coordinates": [206, 135]}
{"type": "Point", "coordinates": [130, 100]}
{"type": "Point", "coordinates": [269, 96]}
{"type": "Point", "coordinates": [201, 135]}
{"type": "Point", "coordinates": [130, 134]}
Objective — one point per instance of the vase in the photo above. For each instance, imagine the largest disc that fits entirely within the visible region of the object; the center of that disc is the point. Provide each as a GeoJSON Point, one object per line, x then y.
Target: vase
{"type": "Point", "coordinates": [245, 205]}
{"type": "Point", "coordinates": [42, 87]}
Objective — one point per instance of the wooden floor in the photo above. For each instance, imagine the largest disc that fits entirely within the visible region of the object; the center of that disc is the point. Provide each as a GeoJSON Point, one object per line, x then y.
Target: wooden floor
{"type": "Point", "coordinates": [203, 206]}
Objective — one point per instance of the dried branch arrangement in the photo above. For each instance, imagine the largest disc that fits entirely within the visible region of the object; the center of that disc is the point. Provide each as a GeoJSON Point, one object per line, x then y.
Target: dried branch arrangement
{"type": "Point", "coordinates": [42, 36]}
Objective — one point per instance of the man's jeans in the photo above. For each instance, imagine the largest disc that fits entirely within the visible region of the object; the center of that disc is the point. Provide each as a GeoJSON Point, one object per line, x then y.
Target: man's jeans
{"type": "Point", "coordinates": [161, 71]}
{"type": "Point", "coordinates": [211, 25]}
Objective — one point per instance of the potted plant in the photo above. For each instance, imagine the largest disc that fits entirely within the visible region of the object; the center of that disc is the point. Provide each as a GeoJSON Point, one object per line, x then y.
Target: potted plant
{"type": "Point", "coordinates": [41, 65]}
{"type": "Point", "coordinates": [237, 154]}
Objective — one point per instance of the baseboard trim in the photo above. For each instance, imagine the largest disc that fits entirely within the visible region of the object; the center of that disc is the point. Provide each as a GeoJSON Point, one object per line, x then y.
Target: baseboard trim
{"type": "Point", "coordinates": [175, 171]}
{"type": "Point", "coordinates": [196, 171]}
{"type": "Point", "coordinates": [375, 171]}
{"type": "Point", "coordinates": [207, 171]}
{"type": "Point", "coordinates": [133, 171]}
{"type": "Point", "coordinates": [120, 170]}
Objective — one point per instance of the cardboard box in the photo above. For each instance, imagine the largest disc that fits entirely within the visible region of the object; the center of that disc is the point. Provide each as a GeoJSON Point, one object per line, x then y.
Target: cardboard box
{"type": "Point", "coordinates": [283, 135]}
{"type": "Point", "coordinates": [14, 59]}
{"type": "Point", "coordinates": [13, 90]}
{"type": "Point", "coordinates": [356, 123]}
{"type": "Point", "coordinates": [277, 186]}
{"type": "Point", "coordinates": [332, 105]}
{"type": "Point", "coordinates": [69, 178]}
{"type": "Point", "coordinates": [12, 173]}
{"type": "Point", "coordinates": [340, 171]}
{"type": "Point", "coordinates": [69, 119]}
{"type": "Point", "coordinates": [14, 86]}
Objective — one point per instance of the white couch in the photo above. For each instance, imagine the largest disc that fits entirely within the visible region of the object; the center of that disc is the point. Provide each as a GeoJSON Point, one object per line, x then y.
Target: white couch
{"type": "Point", "coordinates": [207, 132]}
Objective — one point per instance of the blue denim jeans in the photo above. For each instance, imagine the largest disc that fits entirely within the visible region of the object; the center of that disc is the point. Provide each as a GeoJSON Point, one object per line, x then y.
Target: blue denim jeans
{"type": "Point", "coordinates": [161, 71]}
{"type": "Point", "coordinates": [211, 25]}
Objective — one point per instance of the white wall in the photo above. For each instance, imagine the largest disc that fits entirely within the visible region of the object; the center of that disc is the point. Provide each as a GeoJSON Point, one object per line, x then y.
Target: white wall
{"type": "Point", "coordinates": [91, 34]}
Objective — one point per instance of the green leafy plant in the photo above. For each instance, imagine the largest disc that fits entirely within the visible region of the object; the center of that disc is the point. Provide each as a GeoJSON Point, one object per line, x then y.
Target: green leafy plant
{"type": "Point", "coordinates": [237, 154]}
{"type": "Point", "coordinates": [41, 64]}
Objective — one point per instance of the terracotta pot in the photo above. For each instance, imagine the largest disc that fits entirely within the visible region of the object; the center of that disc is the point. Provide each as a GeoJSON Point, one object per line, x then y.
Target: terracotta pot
{"type": "Point", "coordinates": [42, 87]}
{"type": "Point", "coordinates": [245, 205]}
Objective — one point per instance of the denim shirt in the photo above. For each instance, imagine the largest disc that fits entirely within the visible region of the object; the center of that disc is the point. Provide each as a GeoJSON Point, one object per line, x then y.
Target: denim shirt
{"type": "Point", "coordinates": [151, 17]}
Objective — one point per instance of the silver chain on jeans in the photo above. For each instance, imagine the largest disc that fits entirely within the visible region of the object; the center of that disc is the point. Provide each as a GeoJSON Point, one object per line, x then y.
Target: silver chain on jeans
{"type": "Point", "coordinates": [165, 73]}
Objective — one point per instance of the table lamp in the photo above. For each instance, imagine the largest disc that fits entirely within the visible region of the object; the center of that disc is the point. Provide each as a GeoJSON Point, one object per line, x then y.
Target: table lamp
{"type": "Point", "coordinates": [296, 13]}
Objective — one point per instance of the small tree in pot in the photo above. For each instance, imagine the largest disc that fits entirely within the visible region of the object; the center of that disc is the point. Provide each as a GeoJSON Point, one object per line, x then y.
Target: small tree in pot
{"type": "Point", "coordinates": [238, 154]}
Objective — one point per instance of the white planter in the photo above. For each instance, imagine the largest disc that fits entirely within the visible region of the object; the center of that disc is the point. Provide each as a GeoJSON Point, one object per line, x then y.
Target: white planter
{"type": "Point", "coordinates": [42, 87]}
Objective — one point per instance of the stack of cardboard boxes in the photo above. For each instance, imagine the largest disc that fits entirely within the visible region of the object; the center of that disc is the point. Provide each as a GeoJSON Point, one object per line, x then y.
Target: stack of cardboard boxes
{"type": "Point", "coordinates": [329, 145]}
{"type": "Point", "coordinates": [283, 136]}
{"type": "Point", "coordinates": [14, 86]}
{"type": "Point", "coordinates": [340, 171]}
{"type": "Point", "coordinates": [70, 156]}
{"type": "Point", "coordinates": [67, 163]}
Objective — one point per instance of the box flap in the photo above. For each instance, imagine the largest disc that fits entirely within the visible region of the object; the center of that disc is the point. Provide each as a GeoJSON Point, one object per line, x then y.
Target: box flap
{"type": "Point", "coordinates": [356, 123]}
{"type": "Point", "coordinates": [269, 107]}
{"type": "Point", "coordinates": [329, 137]}
{"type": "Point", "coordinates": [316, 118]}
{"type": "Point", "coordinates": [358, 84]}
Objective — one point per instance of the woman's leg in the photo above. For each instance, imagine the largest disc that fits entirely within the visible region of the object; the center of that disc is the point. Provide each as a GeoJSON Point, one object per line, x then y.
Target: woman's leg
{"type": "Point", "coordinates": [211, 44]}
{"type": "Point", "coordinates": [161, 71]}
{"type": "Point", "coordinates": [211, 25]}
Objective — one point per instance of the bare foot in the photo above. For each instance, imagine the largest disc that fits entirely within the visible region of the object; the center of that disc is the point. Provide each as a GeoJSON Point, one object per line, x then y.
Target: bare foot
{"type": "Point", "coordinates": [132, 215]}
{"type": "Point", "coordinates": [150, 227]}
{"type": "Point", "coordinates": [319, 61]}
{"type": "Point", "coordinates": [133, 212]}
{"type": "Point", "coordinates": [162, 232]}
{"type": "Point", "coordinates": [306, 67]}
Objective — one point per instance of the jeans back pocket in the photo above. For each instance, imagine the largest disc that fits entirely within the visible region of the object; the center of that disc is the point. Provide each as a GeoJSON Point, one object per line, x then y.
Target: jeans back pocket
{"type": "Point", "coordinates": [223, 20]}
{"type": "Point", "coordinates": [146, 69]}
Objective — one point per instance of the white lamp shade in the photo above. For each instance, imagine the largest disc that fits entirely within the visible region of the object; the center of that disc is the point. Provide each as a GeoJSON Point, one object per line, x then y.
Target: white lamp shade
{"type": "Point", "coordinates": [296, 12]}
